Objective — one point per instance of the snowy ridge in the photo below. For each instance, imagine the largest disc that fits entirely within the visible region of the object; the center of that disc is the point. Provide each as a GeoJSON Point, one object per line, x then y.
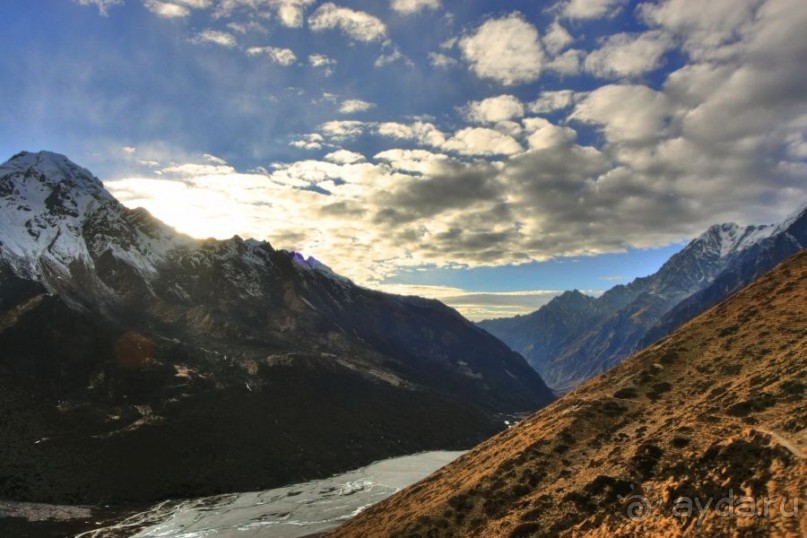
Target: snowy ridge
{"type": "Point", "coordinates": [791, 220]}
{"type": "Point", "coordinates": [56, 216]}
{"type": "Point", "coordinates": [723, 240]}
{"type": "Point", "coordinates": [312, 264]}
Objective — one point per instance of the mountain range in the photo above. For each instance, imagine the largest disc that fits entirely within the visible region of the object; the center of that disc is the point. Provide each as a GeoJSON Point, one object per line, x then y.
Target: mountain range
{"type": "Point", "coordinates": [575, 337]}
{"type": "Point", "coordinates": [703, 434]}
{"type": "Point", "coordinates": [139, 364]}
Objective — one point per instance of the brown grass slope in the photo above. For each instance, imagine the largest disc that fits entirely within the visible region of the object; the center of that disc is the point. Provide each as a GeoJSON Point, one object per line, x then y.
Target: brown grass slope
{"type": "Point", "coordinates": [714, 411]}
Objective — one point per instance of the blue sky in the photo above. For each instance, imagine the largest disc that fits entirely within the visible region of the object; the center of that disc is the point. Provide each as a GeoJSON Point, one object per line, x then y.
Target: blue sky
{"type": "Point", "coordinates": [486, 153]}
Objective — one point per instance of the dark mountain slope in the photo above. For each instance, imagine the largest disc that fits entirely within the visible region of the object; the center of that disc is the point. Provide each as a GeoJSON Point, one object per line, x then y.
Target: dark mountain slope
{"type": "Point", "coordinates": [138, 363]}
{"type": "Point", "coordinates": [714, 411]}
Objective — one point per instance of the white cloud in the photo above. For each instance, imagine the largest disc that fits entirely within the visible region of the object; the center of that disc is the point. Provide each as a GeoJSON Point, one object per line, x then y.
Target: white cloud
{"type": "Point", "coordinates": [424, 133]}
{"type": "Point", "coordinates": [509, 127]}
{"type": "Point", "coordinates": [449, 43]}
{"type": "Point", "coordinates": [246, 27]}
{"type": "Point", "coordinates": [546, 135]}
{"type": "Point", "coordinates": [705, 26]}
{"type": "Point", "coordinates": [102, 5]}
{"type": "Point", "coordinates": [342, 130]}
{"type": "Point", "coordinates": [308, 141]}
{"type": "Point", "coordinates": [550, 101]}
{"type": "Point", "coordinates": [440, 60]}
{"type": "Point", "coordinates": [351, 106]}
{"type": "Point", "coordinates": [213, 159]}
{"type": "Point", "coordinates": [323, 62]}
{"type": "Point", "coordinates": [482, 141]}
{"type": "Point", "coordinates": [194, 169]}
{"type": "Point", "coordinates": [494, 109]}
{"type": "Point", "coordinates": [590, 9]}
{"type": "Point", "coordinates": [215, 37]}
{"type": "Point", "coordinates": [290, 12]}
{"type": "Point", "coordinates": [358, 25]}
{"type": "Point", "coordinates": [627, 113]}
{"type": "Point", "coordinates": [343, 156]}
{"type": "Point", "coordinates": [419, 161]}
{"type": "Point", "coordinates": [284, 57]}
{"type": "Point", "coordinates": [628, 55]}
{"type": "Point", "coordinates": [320, 60]}
{"type": "Point", "coordinates": [391, 57]}
{"type": "Point", "coordinates": [166, 10]}
{"type": "Point", "coordinates": [506, 50]}
{"type": "Point", "coordinates": [195, 4]}
{"type": "Point", "coordinates": [557, 38]}
{"type": "Point", "coordinates": [408, 7]}
{"type": "Point", "coordinates": [567, 63]}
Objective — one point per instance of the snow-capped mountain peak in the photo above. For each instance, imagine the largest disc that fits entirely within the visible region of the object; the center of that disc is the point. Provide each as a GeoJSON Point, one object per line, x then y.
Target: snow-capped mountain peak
{"type": "Point", "coordinates": [56, 217]}
{"type": "Point", "coordinates": [722, 240]}
{"type": "Point", "coordinates": [53, 168]}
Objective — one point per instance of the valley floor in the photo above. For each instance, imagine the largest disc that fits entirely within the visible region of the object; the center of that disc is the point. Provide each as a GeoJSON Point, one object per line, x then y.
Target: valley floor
{"type": "Point", "coordinates": [288, 512]}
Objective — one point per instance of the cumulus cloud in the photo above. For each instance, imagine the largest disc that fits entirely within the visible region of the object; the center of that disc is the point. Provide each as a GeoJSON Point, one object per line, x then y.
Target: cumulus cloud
{"type": "Point", "coordinates": [550, 101]}
{"type": "Point", "coordinates": [408, 7]}
{"type": "Point", "coordinates": [102, 5]}
{"type": "Point", "coordinates": [195, 4]}
{"type": "Point", "coordinates": [280, 56]}
{"type": "Point", "coordinates": [494, 109]}
{"type": "Point", "coordinates": [506, 50]}
{"type": "Point", "coordinates": [342, 130]}
{"type": "Point", "coordinates": [628, 55]}
{"type": "Point", "coordinates": [323, 62]}
{"type": "Point", "coordinates": [626, 113]}
{"type": "Point", "coordinates": [418, 161]}
{"type": "Point", "coordinates": [358, 25]}
{"type": "Point", "coordinates": [482, 141]}
{"type": "Point", "coordinates": [590, 9]}
{"type": "Point", "coordinates": [194, 169]}
{"type": "Point", "coordinates": [705, 26]}
{"type": "Point", "coordinates": [351, 106]}
{"type": "Point", "coordinates": [343, 156]}
{"type": "Point", "coordinates": [291, 12]}
{"type": "Point", "coordinates": [167, 10]}
{"type": "Point", "coordinates": [215, 37]}
{"type": "Point", "coordinates": [546, 135]}
{"type": "Point", "coordinates": [567, 63]}
{"type": "Point", "coordinates": [557, 38]}
{"type": "Point", "coordinates": [320, 60]}
{"type": "Point", "coordinates": [424, 133]}
{"type": "Point", "coordinates": [308, 141]}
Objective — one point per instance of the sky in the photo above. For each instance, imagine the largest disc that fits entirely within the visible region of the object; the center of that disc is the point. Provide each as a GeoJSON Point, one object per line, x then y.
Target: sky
{"type": "Point", "coordinates": [490, 153]}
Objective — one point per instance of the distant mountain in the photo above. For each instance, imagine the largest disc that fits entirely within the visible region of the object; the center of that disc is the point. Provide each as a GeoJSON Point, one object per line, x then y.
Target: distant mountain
{"type": "Point", "coordinates": [702, 435]}
{"type": "Point", "coordinates": [138, 363]}
{"type": "Point", "coordinates": [575, 337]}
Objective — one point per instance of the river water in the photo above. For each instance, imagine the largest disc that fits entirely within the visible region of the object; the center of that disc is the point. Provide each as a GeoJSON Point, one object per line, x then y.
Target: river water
{"type": "Point", "coordinates": [287, 512]}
